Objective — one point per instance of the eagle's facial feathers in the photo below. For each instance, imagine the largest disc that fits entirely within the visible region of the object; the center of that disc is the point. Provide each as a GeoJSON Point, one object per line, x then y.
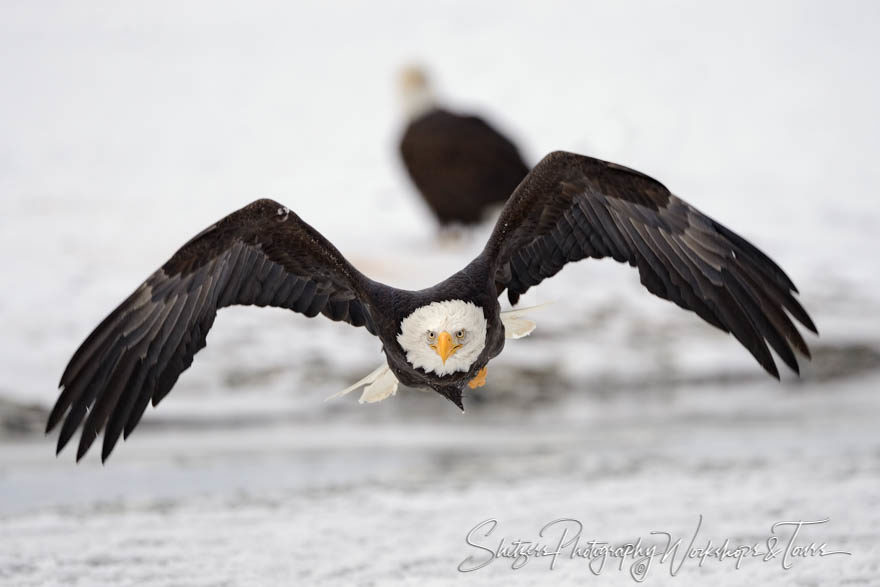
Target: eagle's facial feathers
{"type": "Point", "coordinates": [443, 337]}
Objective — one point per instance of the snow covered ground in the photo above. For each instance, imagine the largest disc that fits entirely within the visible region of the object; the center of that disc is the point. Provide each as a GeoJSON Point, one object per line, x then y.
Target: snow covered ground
{"type": "Point", "coordinates": [126, 129]}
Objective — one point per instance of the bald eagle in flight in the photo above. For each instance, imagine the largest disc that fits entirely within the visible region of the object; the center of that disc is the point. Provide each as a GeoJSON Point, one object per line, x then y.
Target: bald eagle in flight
{"type": "Point", "coordinates": [459, 163]}
{"type": "Point", "coordinates": [570, 207]}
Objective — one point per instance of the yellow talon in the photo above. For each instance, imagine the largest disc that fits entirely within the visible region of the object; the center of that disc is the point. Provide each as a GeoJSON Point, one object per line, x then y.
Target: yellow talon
{"type": "Point", "coordinates": [480, 379]}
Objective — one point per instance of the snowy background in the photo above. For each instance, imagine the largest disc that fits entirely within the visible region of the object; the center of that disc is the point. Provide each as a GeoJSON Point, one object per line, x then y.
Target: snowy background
{"type": "Point", "coordinates": [126, 129]}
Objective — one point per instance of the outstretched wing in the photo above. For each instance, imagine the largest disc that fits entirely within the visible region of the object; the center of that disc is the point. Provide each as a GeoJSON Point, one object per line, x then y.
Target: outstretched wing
{"type": "Point", "coordinates": [262, 255]}
{"type": "Point", "coordinates": [571, 207]}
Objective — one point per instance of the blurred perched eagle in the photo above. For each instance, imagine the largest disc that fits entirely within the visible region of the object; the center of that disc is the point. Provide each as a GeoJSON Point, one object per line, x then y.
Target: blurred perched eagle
{"type": "Point", "coordinates": [570, 207]}
{"type": "Point", "coordinates": [460, 164]}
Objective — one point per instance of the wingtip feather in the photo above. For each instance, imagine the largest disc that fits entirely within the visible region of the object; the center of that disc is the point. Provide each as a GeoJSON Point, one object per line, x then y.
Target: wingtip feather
{"type": "Point", "coordinates": [83, 447]}
{"type": "Point", "coordinates": [772, 369]}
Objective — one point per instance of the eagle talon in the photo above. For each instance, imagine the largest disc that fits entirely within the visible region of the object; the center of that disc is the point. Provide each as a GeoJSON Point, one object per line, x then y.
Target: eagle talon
{"type": "Point", "coordinates": [480, 379]}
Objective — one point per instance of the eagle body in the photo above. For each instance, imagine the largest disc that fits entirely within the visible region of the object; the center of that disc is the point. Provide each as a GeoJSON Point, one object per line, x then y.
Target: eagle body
{"type": "Point", "coordinates": [568, 208]}
{"type": "Point", "coordinates": [474, 284]}
{"type": "Point", "coordinates": [460, 165]}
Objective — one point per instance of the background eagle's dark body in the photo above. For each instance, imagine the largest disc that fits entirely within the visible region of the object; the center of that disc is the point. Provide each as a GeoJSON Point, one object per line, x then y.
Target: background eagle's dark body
{"type": "Point", "coordinates": [569, 207]}
{"type": "Point", "coordinates": [460, 164]}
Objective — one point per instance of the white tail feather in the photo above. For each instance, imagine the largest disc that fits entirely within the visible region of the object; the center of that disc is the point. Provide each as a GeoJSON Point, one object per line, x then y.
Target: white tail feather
{"type": "Point", "coordinates": [382, 388]}
{"type": "Point", "coordinates": [517, 327]}
{"type": "Point", "coordinates": [367, 380]}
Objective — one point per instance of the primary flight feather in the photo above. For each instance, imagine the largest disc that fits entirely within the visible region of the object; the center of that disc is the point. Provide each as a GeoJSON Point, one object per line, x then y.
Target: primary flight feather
{"type": "Point", "coordinates": [568, 208]}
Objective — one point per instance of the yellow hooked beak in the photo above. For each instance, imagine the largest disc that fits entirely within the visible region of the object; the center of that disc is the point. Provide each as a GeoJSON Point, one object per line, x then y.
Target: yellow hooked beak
{"type": "Point", "coordinates": [444, 346]}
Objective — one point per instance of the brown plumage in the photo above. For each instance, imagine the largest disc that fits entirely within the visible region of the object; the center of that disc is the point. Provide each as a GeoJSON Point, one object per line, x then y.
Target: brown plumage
{"type": "Point", "coordinates": [570, 207]}
{"type": "Point", "coordinates": [460, 165]}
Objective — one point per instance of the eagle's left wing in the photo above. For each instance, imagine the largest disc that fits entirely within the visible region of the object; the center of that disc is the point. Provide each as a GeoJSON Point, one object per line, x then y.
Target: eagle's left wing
{"type": "Point", "coordinates": [260, 255]}
{"type": "Point", "coordinates": [571, 207]}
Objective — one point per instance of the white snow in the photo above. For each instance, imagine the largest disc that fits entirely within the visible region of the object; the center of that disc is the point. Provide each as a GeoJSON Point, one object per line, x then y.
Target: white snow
{"type": "Point", "coordinates": [125, 129]}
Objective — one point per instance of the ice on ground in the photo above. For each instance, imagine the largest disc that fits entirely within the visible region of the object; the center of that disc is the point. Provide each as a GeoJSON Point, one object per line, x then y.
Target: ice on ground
{"type": "Point", "coordinates": [381, 502]}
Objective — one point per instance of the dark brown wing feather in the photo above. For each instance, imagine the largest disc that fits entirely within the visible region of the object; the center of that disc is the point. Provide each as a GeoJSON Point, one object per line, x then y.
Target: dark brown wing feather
{"type": "Point", "coordinates": [460, 164]}
{"type": "Point", "coordinates": [571, 207]}
{"type": "Point", "coordinates": [262, 255]}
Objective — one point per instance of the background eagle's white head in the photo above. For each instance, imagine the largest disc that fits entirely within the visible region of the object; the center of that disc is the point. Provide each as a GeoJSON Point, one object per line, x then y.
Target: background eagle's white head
{"type": "Point", "coordinates": [416, 94]}
{"type": "Point", "coordinates": [444, 337]}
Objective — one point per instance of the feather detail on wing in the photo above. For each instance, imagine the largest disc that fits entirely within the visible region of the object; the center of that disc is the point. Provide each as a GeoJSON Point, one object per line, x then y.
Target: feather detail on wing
{"type": "Point", "coordinates": [571, 207]}
{"type": "Point", "coordinates": [262, 255]}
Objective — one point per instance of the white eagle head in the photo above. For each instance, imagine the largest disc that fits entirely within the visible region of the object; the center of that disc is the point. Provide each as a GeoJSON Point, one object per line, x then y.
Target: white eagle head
{"type": "Point", "coordinates": [444, 337]}
{"type": "Point", "coordinates": [415, 92]}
